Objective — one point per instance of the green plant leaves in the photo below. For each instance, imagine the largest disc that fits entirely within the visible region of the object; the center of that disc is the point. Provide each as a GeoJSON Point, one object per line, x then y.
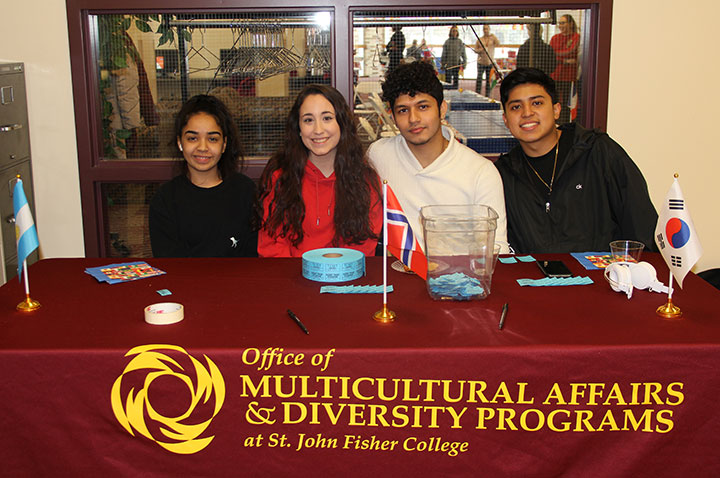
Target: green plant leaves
{"type": "Point", "coordinates": [167, 34]}
{"type": "Point", "coordinates": [143, 26]}
{"type": "Point", "coordinates": [123, 133]}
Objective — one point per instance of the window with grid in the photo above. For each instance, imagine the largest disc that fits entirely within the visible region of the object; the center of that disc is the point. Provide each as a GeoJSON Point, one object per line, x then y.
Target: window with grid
{"type": "Point", "coordinates": [495, 43]}
{"type": "Point", "coordinates": [148, 65]}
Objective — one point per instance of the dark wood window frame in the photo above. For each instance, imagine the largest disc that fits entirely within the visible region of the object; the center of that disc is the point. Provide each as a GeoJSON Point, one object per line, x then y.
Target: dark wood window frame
{"type": "Point", "coordinates": [94, 170]}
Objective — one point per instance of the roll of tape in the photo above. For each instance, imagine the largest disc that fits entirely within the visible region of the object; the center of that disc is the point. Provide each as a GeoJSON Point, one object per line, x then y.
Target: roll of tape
{"type": "Point", "coordinates": [333, 264]}
{"type": "Point", "coordinates": [165, 313]}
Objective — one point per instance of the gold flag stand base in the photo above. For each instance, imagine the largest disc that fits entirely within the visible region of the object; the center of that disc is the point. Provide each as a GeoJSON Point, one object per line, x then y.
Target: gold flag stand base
{"type": "Point", "coordinates": [384, 316]}
{"type": "Point", "coordinates": [28, 305]}
{"type": "Point", "coordinates": [669, 310]}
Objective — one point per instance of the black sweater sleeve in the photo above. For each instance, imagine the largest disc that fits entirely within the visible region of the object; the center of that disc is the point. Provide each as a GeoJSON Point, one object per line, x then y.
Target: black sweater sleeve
{"type": "Point", "coordinates": [164, 234]}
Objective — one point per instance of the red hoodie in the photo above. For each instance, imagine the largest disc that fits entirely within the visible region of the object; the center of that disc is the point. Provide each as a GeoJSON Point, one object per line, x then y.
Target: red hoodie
{"type": "Point", "coordinates": [566, 49]}
{"type": "Point", "coordinates": [318, 194]}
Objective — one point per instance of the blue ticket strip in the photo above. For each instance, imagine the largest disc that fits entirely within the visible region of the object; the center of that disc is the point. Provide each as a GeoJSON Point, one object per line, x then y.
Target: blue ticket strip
{"type": "Point", "coordinates": [354, 289]}
{"type": "Point", "coordinates": [555, 281]}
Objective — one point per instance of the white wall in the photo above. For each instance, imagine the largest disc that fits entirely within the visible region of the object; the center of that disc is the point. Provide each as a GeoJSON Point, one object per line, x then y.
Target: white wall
{"type": "Point", "coordinates": [664, 103]}
{"type": "Point", "coordinates": [662, 107]}
{"type": "Point", "coordinates": [35, 32]}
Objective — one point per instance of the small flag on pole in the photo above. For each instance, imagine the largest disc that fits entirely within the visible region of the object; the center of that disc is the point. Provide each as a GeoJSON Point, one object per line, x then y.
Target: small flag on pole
{"type": "Point", "coordinates": [25, 232]}
{"type": "Point", "coordinates": [573, 100]}
{"type": "Point", "coordinates": [675, 234]}
{"type": "Point", "coordinates": [401, 242]}
{"type": "Point", "coordinates": [385, 315]}
{"type": "Point", "coordinates": [493, 82]}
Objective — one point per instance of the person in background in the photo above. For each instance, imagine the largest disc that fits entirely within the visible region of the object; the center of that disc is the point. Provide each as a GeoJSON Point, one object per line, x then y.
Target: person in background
{"type": "Point", "coordinates": [206, 211]}
{"type": "Point", "coordinates": [425, 164]}
{"type": "Point", "coordinates": [567, 189]}
{"type": "Point", "coordinates": [453, 57]}
{"type": "Point", "coordinates": [132, 105]}
{"type": "Point", "coordinates": [535, 53]}
{"type": "Point", "coordinates": [485, 62]}
{"type": "Point", "coordinates": [567, 46]}
{"type": "Point", "coordinates": [414, 52]}
{"type": "Point", "coordinates": [427, 55]}
{"type": "Point", "coordinates": [395, 48]}
{"type": "Point", "coordinates": [319, 190]}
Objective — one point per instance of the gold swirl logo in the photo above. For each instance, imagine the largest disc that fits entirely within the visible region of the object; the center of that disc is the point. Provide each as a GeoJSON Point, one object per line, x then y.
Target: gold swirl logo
{"type": "Point", "coordinates": [178, 431]}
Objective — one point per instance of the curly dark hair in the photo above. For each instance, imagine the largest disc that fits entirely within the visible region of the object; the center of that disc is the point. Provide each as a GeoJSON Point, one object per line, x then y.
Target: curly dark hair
{"type": "Point", "coordinates": [355, 178]}
{"type": "Point", "coordinates": [232, 159]}
{"type": "Point", "coordinates": [410, 79]}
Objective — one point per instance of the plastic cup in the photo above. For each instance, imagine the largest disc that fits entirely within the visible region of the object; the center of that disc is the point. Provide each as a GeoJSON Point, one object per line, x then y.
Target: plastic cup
{"type": "Point", "coordinates": [626, 251]}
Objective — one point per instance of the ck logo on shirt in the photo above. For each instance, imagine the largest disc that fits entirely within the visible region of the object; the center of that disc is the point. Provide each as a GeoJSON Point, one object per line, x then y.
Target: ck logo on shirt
{"type": "Point", "coordinates": [578, 186]}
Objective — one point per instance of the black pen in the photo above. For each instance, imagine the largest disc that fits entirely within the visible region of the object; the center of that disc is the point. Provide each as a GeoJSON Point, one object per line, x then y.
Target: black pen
{"type": "Point", "coordinates": [503, 314]}
{"type": "Point", "coordinates": [297, 321]}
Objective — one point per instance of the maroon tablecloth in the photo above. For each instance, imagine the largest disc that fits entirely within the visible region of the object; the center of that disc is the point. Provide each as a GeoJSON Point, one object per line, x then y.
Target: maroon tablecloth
{"type": "Point", "coordinates": [581, 381]}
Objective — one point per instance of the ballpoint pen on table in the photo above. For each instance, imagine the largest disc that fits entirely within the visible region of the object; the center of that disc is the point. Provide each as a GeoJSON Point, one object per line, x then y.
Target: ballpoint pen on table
{"type": "Point", "coordinates": [503, 314]}
{"type": "Point", "coordinates": [297, 321]}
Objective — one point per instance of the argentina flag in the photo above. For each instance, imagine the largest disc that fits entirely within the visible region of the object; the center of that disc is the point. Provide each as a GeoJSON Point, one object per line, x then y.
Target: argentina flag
{"type": "Point", "coordinates": [675, 234]}
{"type": "Point", "coordinates": [25, 232]}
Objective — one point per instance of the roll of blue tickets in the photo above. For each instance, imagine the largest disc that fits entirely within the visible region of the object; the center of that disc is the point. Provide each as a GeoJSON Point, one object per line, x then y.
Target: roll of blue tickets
{"type": "Point", "coordinates": [333, 264]}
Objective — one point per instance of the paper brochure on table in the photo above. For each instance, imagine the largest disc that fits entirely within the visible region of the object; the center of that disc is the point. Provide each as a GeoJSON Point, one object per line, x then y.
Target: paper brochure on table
{"type": "Point", "coordinates": [598, 260]}
{"type": "Point", "coordinates": [129, 271]}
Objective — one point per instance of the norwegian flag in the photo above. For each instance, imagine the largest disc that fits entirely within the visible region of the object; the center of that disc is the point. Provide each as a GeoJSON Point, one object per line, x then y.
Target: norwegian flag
{"type": "Point", "coordinates": [401, 241]}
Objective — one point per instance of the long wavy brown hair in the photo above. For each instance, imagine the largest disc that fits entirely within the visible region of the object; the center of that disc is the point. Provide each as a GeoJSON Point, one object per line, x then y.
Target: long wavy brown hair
{"type": "Point", "coordinates": [355, 178]}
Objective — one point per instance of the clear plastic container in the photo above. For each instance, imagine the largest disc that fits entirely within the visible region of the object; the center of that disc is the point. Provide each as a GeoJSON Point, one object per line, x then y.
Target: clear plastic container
{"type": "Point", "coordinates": [461, 250]}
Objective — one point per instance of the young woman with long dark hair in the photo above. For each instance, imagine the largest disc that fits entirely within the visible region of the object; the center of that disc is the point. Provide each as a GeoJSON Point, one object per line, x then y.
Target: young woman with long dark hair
{"type": "Point", "coordinates": [206, 211]}
{"type": "Point", "coordinates": [319, 189]}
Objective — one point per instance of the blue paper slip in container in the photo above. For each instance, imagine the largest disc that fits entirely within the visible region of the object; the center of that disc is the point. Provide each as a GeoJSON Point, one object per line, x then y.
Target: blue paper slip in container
{"type": "Point", "coordinates": [456, 286]}
{"type": "Point", "coordinates": [333, 264]}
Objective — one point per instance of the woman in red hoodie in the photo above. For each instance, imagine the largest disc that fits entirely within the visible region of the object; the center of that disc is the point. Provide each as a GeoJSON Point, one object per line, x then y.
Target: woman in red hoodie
{"type": "Point", "coordinates": [319, 189]}
{"type": "Point", "coordinates": [566, 45]}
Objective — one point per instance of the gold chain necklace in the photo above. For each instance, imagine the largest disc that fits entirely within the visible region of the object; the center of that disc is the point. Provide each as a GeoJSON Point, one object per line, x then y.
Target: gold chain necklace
{"type": "Point", "coordinates": [552, 178]}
